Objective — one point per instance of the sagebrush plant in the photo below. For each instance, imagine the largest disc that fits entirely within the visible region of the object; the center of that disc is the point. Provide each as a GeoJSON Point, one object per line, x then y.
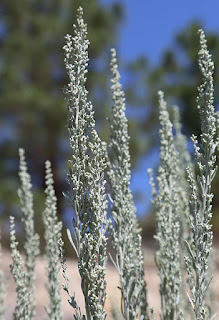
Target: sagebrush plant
{"type": "Point", "coordinates": [86, 176]}
{"type": "Point", "coordinates": [24, 299]}
{"type": "Point", "coordinates": [183, 204]}
{"type": "Point", "coordinates": [184, 160]}
{"type": "Point", "coordinates": [66, 286]}
{"type": "Point", "coordinates": [167, 205]}
{"type": "Point", "coordinates": [126, 237]}
{"type": "Point", "coordinates": [52, 234]}
{"type": "Point", "coordinates": [31, 246]}
{"type": "Point", "coordinates": [31, 239]}
{"type": "Point", "coordinates": [197, 260]}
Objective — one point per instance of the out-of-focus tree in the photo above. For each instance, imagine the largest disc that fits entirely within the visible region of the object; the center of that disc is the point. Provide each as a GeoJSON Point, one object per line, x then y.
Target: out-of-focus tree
{"type": "Point", "coordinates": [178, 75]}
{"type": "Point", "coordinates": [32, 106]}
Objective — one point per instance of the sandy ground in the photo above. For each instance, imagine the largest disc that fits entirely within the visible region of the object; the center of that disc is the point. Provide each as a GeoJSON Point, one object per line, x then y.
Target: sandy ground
{"type": "Point", "coordinates": [113, 299]}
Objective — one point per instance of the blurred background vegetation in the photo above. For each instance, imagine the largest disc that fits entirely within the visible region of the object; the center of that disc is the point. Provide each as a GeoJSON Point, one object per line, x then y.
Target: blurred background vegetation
{"type": "Point", "coordinates": [32, 106]}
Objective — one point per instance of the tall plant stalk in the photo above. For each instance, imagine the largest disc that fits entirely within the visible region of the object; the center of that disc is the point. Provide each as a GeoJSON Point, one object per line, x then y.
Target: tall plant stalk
{"type": "Point", "coordinates": [184, 208]}
{"type": "Point", "coordinates": [167, 207]}
{"type": "Point", "coordinates": [24, 279]}
{"type": "Point", "coordinates": [125, 231]}
{"type": "Point", "coordinates": [52, 235]}
{"type": "Point", "coordinates": [86, 176]}
{"type": "Point", "coordinates": [197, 260]}
{"type": "Point", "coordinates": [23, 301]}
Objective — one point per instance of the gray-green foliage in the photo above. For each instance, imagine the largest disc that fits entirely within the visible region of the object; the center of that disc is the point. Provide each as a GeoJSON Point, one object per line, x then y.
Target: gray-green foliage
{"type": "Point", "coordinates": [175, 216]}
{"type": "Point", "coordinates": [184, 161]}
{"type": "Point", "coordinates": [23, 301]}
{"type": "Point", "coordinates": [24, 278]}
{"type": "Point", "coordinates": [211, 294]}
{"type": "Point", "coordinates": [167, 206]}
{"type": "Point", "coordinates": [171, 201]}
{"type": "Point", "coordinates": [86, 176]}
{"type": "Point", "coordinates": [3, 286]}
{"type": "Point", "coordinates": [183, 194]}
{"type": "Point", "coordinates": [66, 286]}
{"type": "Point", "coordinates": [197, 260]}
{"type": "Point", "coordinates": [52, 234]}
{"type": "Point", "coordinates": [31, 239]}
{"type": "Point", "coordinates": [125, 230]}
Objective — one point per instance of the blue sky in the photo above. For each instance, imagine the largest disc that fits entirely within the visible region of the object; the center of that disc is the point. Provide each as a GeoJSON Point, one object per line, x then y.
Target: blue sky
{"type": "Point", "coordinates": [147, 30]}
{"type": "Point", "coordinates": [149, 26]}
